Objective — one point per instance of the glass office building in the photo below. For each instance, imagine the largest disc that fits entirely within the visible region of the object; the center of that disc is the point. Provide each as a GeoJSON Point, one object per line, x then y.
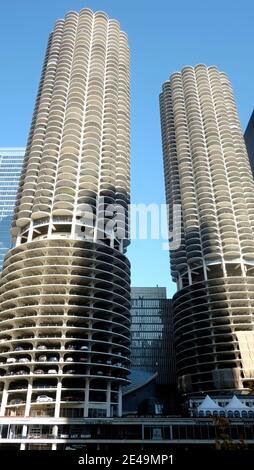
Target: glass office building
{"type": "Point", "coordinates": [249, 140]}
{"type": "Point", "coordinates": [11, 161]}
{"type": "Point", "coordinates": [152, 347]}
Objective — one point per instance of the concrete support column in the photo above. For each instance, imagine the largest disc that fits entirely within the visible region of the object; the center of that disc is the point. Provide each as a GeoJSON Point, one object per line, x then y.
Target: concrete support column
{"type": "Point", "coordinates": [73, 228]}
{"type": "Point", "coordinates": [86, 398]}
{"type": "Point", "coordinates": [24, 435]}
{"type": "Point", "coordinates": [189, 276]}
{"type": "Point", "coordinates": [205, 271]}
{"type": "Point", "coordinates": [55, 430]}
{"type": "Point", "coordinates": [108, 399]}
{"type": "Point", "coordinates": [120, 406]}
{"type": "Point", "coordinates": [28, 399]}
{"type": "Point", "coordinates": [243, 269]}
{"type": "Point", "coordinates": [30, 233]}
{"type": "Point", "coordinates": [4, 401]}
{"type": "Point", "coordinates": [18, 240]}
{"type": "Point", "coordinates": [223, 265]}
{"type": "Point", "coordinates": [55, 434]}
{"type": "Point", "coordinates": [50, 227]}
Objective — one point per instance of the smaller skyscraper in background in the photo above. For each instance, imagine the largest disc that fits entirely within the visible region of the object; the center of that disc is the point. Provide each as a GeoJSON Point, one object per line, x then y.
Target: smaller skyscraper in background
{"type": "Point", "coordinates": [152, 340]}
{"type": "Point", "coordinates": [249, 140]}
{"type": "Point", "coordinates": [11, 161]}
{"type": "Point", "coordinates": [151, 332]}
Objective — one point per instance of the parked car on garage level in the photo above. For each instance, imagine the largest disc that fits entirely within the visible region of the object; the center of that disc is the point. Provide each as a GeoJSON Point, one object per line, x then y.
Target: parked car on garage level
{"type": "Point", "coordinates": [53, 359]}
{"type": "Point", "coordinates": [42, 358]}
{"type": "Point", "coordinates": [39, 371]}
{"type": "Point", "coordinates": [11, 360]}
{"type": "Point", "coordinates": [69, 359]}
{"type": "Point", "coordinates": [16, 401]}
{"type": "Point", "coordinates": [24, 359]}
{"type": "Point", "coordinates": [83, 359]}
{"type": "Point", "coordinates": [44, 399]}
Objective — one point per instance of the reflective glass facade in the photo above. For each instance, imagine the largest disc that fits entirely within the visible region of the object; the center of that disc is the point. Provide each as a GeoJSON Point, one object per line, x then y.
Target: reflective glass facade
{"type": "Point", "coordinates": [152, 347]}
{"type": "Point", "coordinates": [11, 161]}
{"type": "Point", "coordinates": [249, 140]}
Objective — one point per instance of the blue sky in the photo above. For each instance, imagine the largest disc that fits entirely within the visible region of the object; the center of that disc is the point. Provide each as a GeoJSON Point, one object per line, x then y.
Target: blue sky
{"type": "Point", "coordinates": [164, 36]}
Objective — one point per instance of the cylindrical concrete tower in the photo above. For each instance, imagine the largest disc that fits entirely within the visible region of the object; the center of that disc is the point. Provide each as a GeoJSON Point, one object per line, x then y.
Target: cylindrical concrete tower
{"type": "Point", "coordinates": [207, 171]}
{"type": "Point", "coordinates": [64, 304]}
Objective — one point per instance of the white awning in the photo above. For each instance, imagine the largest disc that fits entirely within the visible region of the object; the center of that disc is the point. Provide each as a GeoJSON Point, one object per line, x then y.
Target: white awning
{"type": "Point", "coordinates": [209, 405]}
{"type": "Point", "coordinates": [235, 405]}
